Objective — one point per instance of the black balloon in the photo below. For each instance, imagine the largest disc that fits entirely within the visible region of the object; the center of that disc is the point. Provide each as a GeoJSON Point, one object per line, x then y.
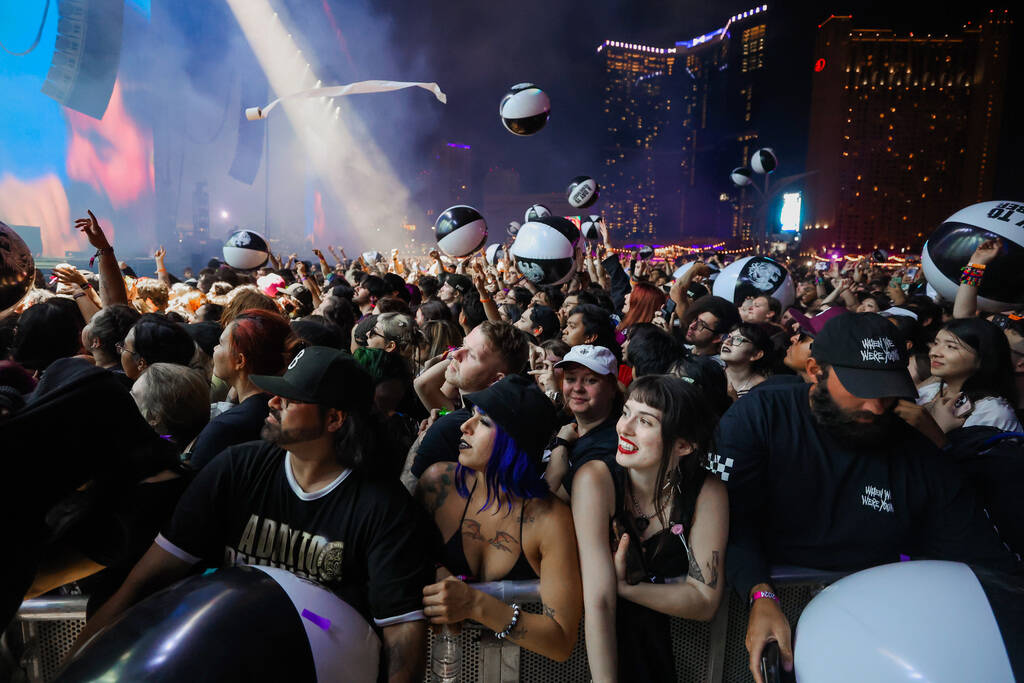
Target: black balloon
{"type": "Point", "coordinates": [233, 625]}
{"type": "Point", "coordinates": [950, 248]}
{"type": "Point", "coordinates": [17, 268]}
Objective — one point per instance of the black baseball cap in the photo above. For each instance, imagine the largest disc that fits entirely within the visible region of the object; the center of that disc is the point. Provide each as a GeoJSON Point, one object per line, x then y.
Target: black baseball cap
{"type": "Point", "coordinates": [460, 283]}
{"type": "Point", "coordinates": [868, 354]}
{"type": "Point", "coordinates": [521, 409]}
{"type": "Point", "coordinates": [325, 376]}
{"type": "Point", "coordinates": [811, 325]}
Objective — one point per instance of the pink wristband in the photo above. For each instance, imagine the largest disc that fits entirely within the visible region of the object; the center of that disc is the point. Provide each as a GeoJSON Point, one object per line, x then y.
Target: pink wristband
{"type": "Point", "coordinates": [764, 594]}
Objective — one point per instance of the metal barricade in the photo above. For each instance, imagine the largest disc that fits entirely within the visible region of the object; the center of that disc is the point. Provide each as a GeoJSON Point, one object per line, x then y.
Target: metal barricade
{"type": "Point", "coordinates": [704, 651]}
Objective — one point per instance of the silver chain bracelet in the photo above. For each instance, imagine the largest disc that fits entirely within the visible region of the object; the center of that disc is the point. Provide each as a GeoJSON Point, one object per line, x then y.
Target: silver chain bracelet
{"type": "Point", "coordinates": [512, 624]}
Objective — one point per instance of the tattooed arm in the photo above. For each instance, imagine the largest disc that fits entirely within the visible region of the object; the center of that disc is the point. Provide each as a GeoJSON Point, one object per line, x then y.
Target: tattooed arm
{"type": "Point", "coordinates": [699, 596]}
{"type": "Point", "coordinates": [405, 651]}
{"type": "Point", "coordinates": [551, 634]}
{"type": "Point", "coordinates": [433, 487]}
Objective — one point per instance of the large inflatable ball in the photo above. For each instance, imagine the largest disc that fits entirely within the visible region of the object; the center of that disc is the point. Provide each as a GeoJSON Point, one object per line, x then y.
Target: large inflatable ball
{"type": "Point", "coordinates": [683, 269]}
{"type": "Point", "coordinates": [372, 256]}
{"type": "Point", "coordinates": [764, 160]}
{"type": "Point", "coordinates": [755, 276]}
{"type": "Point", "coordinates": [17, 268]}
{"type": "Point", "coordinates": [536, 212]}
{"type": "Point", "coordinates": [742, 176]}
{"type": "Point", "coordinates": [564, 226]}
{"type": "Point", "coordinates": [645, 252]}
{"type": "Point", "coordinates": [911, 621]}
{"type": "Point", "coordinates": [513, 228]}
{"type": "Point", "coordinates": [524, 109]}
{"type": "Point", "coordinates": [950, 247]}
{"type": "Point", "coordinates": [543, 253]}
{"type": "Point", "coordinates": [236, 624]}
{"type": "Point", "coordinates": [460, 231]}
{"type": "Point", "coordinates": [590, 228]}
{"type": "Point", "coordinates": [494, 253]}
{"type": "Point", "coordinates": [582, 192]}
{"type": "Point", "coordinates": [246, 250]}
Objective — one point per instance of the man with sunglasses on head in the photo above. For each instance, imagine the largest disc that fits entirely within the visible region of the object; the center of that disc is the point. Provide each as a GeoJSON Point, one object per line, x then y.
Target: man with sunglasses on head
{"type": "Point", "coordinates": [300, 500]}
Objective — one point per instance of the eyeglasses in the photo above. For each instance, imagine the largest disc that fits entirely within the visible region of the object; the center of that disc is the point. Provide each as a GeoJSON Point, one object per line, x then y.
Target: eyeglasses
{"type": "Point", "coordinates": [374, 333]}
{"type": "Point", "coordinates": [737, 340]}
{"type": "Point", "coordinates": [701, 325]}
{"type": "Point", "coordinates": [120, 347]}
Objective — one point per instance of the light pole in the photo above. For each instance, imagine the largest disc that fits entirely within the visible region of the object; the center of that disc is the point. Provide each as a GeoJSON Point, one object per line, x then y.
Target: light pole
{"type": "Point", "coordinates": [762, 162]}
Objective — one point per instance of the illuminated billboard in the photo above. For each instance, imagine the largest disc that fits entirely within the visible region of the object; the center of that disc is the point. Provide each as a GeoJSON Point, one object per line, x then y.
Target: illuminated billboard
{"type": "Point", "coordinates": [789, 216]}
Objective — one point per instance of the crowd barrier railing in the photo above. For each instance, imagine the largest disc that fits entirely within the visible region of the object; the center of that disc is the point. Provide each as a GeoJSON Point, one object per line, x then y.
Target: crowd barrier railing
{"type": "Point", "coordinates": [711, 652]}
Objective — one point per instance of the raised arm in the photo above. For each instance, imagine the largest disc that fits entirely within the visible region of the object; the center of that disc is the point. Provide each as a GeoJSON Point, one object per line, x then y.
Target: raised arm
{"type": "Point", "coordinates": [161, 269]}
{"type": "Point", "coordinates": [428, 387]}
{"type": "Point", "coordinates": [593, 503]}
{"type": "Point", "coordinates": [112, 289]}
{"type": "Point", "coordinates": [965, 305]}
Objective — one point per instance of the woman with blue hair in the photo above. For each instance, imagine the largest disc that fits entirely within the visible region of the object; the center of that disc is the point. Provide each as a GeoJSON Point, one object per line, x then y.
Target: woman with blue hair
{"type": "Point", "coordinates": [503, 523]}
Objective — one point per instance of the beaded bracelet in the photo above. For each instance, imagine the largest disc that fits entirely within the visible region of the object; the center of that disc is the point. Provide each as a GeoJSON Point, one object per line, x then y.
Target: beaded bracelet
{"type": "Point", "coordinates": [971, 275]}
{"type": "Point", "coordinates": [512, 624]}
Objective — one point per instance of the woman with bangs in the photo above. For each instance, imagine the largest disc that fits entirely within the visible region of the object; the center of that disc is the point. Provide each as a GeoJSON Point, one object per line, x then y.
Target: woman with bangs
{"type": "Point", "coordinates": [503, 523]}
{"type": "Point", "coordinates": [651, 528]}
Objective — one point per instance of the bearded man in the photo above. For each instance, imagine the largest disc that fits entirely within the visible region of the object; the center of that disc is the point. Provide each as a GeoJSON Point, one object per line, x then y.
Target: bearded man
{"type": "Point", "coordinates": [825, 475]}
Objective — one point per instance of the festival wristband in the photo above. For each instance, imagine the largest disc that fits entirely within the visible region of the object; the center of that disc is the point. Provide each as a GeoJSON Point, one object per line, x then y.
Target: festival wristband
{"type": "Point", "coordinates": [763, 594]}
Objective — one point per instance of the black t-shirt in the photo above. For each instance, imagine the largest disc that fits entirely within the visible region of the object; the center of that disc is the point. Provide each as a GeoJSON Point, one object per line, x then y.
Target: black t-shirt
{"type": "Point", "coordinates": [237, 425]}
{"type": "Point", "coordinates": [799, 496]}
{"type": "Point", "coordinates": [441, 442]}
{"type": "Point", "coordinates": [363, 539]}
{"type": "Point", "coordinates": [600, 443]}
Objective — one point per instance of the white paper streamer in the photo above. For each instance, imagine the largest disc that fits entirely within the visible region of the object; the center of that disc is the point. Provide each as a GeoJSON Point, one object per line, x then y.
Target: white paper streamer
{"type": "Point", "coordinates": [360, 88]}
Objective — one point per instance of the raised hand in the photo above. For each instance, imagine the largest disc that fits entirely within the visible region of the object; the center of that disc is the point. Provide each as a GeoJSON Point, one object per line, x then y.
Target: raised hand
{"type": "Point", "coordinates": [160, 253]}
{"type": "Point", "coordinates": [986, 252]}
{"type": "Point", "coordinates": [90, 227]}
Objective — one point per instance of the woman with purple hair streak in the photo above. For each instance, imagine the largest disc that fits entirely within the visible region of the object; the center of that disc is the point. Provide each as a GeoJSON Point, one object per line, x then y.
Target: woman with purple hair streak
{"type": "Point", "coordinates": [503, 523]}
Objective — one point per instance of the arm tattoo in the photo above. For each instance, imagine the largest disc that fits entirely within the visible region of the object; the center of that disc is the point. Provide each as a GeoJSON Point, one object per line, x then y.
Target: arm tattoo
{"type": "Point", "coordinates": [519, 632]}
{"type": "Point", "coordinates": [471, 528]}
{"type": "Point", "coordinates": [694, 566]}
{"type": "Point", "coordinates": [549, 611]}
{"type": "Point", "coordinates": [713, 569]}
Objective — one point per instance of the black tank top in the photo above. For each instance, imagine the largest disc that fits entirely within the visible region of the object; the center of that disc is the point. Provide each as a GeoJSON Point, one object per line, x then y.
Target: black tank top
{"type": "Point", "coordinates": [455, 556]}
{"type": "Point", "coordinates": [663, 555]}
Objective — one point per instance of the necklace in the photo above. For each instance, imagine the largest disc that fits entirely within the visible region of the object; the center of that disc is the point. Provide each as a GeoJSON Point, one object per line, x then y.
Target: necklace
{"type": "Point", "coordinates": [641, 520]}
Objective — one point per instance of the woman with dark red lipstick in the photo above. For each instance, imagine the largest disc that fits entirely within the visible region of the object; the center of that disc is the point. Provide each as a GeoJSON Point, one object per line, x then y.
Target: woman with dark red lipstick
{"type": "Point", "coordinates": [651, 529]}
{"type": "Point", "coordinates": [502, 523]}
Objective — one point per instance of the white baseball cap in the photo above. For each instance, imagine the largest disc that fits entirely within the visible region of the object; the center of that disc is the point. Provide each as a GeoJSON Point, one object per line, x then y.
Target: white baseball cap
{"type": "Point", "coordinates": [596, 358]}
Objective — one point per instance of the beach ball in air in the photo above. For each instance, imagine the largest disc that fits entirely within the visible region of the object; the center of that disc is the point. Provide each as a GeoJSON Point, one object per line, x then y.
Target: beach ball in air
{"type": "Point", "coordinates": [245, 250]}
{"type": "Point", "coordinates": [950, 247]}
{"type": "Point", "coordinates": [764, 160]}
{"type": "Point", "coordinates": [460, 231]}
{"type": "Point", "coordinates": [536, 212]}
{"type": "Point", "coordinates": [543, 253]}
{"type": "Point", "coordinates": [582, 192]}
{"type": "Point", "coordinates": [741, 176]}
{"type": "Point", "coordinates": [590, 228]}
{"type": "Point", "coordinates": [524, 109]}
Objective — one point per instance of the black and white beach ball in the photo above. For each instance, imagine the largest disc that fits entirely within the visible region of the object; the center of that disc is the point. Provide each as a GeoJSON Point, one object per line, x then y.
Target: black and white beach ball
{"type": "Point", "coordinates": [582, 192]}
{"type": "Point", "coordinates": [564, 226]}
{"type": "Point", "coordinates": [524, 109]}
{"type": "Point", "coordinates": [536, 212]}
{"type": "Point", "coordinates": [372, 256]}
{"type": "Point", "coordinates": [543, 253]}
{"type": "Point", "coordinates": [742, 176]}
{"type": "Point", "coordinates": [494, 253]}
{"type": "Point", "coordinates": [885, 624]}
{"type": "Point", "coordinates": [245, 250]}
{"type": "Point", "coordinates": [764, 160]}
{"type": "Point", "coordinates": [590, 227]}
{"type": "Point", "coordinates": [460, 231]}
{"type": "Point", "coordinates": [513, 228]}
{"type": "Point", "coordinates": [755, 276]}
{"type": "Point", "coordinates": [950, 247]}
{"type": "Point", "coordinates": [236, 624]}
{"type": "Point", "coordinates": [645, 252]}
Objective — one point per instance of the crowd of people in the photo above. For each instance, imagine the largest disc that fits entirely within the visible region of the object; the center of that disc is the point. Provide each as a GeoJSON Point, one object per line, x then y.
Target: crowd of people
{"type": "Point", "coordinates": [401, 430]}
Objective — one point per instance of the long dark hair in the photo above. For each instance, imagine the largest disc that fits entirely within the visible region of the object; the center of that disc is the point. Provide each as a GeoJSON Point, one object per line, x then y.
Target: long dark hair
{"type": "Point", "coordinates": [509, 469]}
{"type": "Point", "coordinates": [994, 376]}
{"type": "Point", "coordinates": [686, 415]}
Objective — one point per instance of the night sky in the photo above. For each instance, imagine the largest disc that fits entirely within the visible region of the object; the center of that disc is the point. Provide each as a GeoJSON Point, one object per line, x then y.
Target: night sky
{"type": "Point", "coordinates": [475, 50]}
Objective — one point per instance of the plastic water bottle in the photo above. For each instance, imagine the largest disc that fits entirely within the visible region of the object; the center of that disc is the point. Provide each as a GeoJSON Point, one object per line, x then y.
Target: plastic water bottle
{"type": "Point", "coordinates": [446, 656]}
